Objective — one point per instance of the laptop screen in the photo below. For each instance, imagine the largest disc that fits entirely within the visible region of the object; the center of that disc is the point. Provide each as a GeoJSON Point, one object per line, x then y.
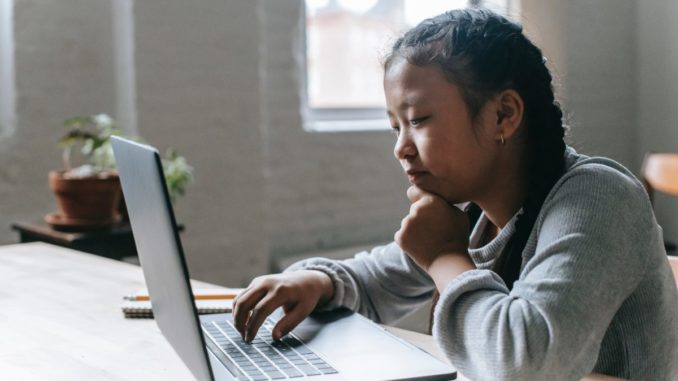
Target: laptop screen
{"type": "Point", "coordinates": [160, 251]}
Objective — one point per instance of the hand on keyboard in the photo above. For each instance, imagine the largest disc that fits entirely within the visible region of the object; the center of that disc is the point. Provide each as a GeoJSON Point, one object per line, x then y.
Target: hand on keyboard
{"type": "Point", "coordinates": [298, 292]}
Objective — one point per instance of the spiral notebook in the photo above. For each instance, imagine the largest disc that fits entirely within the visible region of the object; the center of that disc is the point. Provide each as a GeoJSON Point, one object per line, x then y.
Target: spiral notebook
{"type": "Point", "coordinates": [207, 301]}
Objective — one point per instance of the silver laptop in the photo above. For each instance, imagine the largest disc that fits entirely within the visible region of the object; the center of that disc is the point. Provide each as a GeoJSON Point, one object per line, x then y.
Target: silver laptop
{"type": "Point", "coordinates": [340, 345]}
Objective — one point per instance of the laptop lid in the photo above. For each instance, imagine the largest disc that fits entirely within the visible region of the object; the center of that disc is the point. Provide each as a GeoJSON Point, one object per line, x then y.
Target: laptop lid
{"type": "Point", "coordinates": [163, 264]}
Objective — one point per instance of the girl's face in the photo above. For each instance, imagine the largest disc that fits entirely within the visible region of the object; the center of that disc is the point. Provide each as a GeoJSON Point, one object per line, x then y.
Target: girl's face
{"type": "Point", "coordinates": [439, 147]}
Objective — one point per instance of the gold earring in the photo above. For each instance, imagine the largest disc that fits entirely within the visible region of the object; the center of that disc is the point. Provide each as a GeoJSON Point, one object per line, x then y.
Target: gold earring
{"type": "Point", "coordinates": [502, 139]}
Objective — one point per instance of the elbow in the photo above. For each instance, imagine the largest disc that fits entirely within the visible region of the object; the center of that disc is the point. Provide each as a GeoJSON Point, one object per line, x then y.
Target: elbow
{"type": "Point", "coordinates": [508, 345]}
{"type": "Point", "coordinates": [523, 346]}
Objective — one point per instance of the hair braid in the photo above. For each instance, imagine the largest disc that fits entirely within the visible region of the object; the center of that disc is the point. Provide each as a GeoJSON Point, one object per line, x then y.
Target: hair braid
{"type": "Point", "coordinates": [545, 145]}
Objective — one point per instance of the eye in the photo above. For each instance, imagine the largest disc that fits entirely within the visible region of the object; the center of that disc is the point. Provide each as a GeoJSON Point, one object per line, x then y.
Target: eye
{"type": "Point", "coordinates": [418, 121]}
{"type": "Point", "coordinates": [395, 130]}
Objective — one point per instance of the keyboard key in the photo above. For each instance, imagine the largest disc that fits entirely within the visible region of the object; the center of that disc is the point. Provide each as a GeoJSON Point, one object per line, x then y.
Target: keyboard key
{"type": "Point", "coordinates": [275, 375]}
{"type": "Point", "coordinates": [292, 373]}
{"type": "Point", "coordinates": [328, 370]}
{"type": "Point", "coordinates": [308, 370]}
{"type": "Point", "coordinates": [243, 361]}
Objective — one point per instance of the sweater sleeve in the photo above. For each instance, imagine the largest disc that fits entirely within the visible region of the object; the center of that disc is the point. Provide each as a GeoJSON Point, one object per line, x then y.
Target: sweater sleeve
{"type": "Point", "coordinates": [588, 245]}
{"type": "Point", "coordinates": [383, 284]}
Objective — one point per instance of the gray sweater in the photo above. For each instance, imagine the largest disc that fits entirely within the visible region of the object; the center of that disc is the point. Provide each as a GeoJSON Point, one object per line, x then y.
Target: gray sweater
{"type": "Point", "coordinates": [595, 294]}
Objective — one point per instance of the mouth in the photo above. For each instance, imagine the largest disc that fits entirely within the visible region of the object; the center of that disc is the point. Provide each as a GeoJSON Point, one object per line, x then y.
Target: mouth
{"type": "Point", "coordinates": [415, 176]}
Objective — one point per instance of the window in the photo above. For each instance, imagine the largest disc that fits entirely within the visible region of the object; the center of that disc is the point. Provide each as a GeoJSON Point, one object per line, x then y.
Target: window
{"type": "Point", "coordinates": [7, 83]}
{"type": "Point", "coordinates": [345, 40]}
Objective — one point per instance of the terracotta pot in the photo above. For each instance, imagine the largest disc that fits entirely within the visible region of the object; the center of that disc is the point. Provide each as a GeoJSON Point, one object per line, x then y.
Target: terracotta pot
{"type": "Point", "coordinates": [122, 208]}
{"type": "Point", "coordinates": [87, 201]}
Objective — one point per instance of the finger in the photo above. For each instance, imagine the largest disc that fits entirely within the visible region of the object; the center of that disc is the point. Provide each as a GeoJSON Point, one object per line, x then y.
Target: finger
{"type": "Point", "coordinates": [414, 210]}
{"type": "Point", "coordinates": [401, 234]}
{"type": "Point", "coordinates": [414, 193]}
{"type": "Point", "coordinates": [289, 321]}
{"type": "Point", "coordinates": [243, 295]}
{"type": "Point", "coordinates": [240, 301]}
{"type": "Point", "coordinates": [243, 307]}
{"type": "Point", "coordinates": [260, 312]}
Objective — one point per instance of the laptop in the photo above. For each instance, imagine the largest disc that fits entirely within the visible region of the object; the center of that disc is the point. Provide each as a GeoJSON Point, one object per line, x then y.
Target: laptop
{"type": "Point", "coordinates": [339, 345]}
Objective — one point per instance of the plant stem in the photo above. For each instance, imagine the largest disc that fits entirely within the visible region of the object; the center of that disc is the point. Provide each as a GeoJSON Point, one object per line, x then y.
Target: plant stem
{"type": "Point", "coordinates": [66, 158]}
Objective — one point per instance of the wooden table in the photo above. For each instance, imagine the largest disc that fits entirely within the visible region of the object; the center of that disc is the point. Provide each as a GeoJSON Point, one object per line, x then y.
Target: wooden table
{"type": "Point", "coordinates": [61, 320]}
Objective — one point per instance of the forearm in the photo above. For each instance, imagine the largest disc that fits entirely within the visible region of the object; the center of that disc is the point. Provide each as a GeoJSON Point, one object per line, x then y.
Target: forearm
{"type": "Point", "coordinates": [384, 285]}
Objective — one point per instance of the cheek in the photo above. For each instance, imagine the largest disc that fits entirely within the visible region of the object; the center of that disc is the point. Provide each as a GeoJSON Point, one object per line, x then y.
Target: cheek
{"type": "Point", "coordinates": [441, 157]}
{"type": "Point", "coordinates": [429, 149]}
{"type": "Point", "coordinates": [461, 159]}
{"type": "Point", "coordinates": [485, 127]}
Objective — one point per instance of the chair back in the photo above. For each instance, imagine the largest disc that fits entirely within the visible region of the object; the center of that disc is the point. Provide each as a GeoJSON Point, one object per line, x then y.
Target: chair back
{"type": "Point", "coordinates": [660, 173]}
{"type": "Point", "coordinates": [673, 261]}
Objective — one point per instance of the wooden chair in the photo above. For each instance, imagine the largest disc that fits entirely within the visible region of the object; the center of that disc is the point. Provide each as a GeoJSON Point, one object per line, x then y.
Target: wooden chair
{"type": "Point", "coordinates": [659, 173]}
{"type": "Point", "coordinates": [673, 261]}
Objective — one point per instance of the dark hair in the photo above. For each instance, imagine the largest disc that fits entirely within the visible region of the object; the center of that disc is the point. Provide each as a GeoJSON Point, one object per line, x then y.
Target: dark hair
{"type": "Point", "coordinates": [483, 54]}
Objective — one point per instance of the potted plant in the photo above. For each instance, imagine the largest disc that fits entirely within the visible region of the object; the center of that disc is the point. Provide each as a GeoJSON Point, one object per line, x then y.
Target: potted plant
{"type": "Point", "coordinates": [89, 195]}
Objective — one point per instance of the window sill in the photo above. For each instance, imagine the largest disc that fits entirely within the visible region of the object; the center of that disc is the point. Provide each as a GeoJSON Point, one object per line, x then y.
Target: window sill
{"type": "Point", "coordinates": [347, 125]}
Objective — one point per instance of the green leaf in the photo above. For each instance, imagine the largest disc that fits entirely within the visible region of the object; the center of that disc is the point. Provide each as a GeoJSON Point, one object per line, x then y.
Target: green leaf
{"type": "Point", "coordinates": [77, 121]}
{"type": "Point", "coordinates": [74, 136]}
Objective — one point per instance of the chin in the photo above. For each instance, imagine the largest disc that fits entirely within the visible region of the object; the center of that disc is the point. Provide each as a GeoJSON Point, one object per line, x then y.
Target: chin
{"type": "Point", "coordinates": [451, 198]}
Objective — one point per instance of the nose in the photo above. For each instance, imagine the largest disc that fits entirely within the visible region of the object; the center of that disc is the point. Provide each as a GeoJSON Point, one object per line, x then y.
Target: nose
{"type": "Point", "coordinates": [404, 147]}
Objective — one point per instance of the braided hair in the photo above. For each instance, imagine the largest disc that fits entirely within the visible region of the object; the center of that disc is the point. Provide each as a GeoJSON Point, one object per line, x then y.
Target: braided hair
{"type": "Point", "coordinates": [483, 54]}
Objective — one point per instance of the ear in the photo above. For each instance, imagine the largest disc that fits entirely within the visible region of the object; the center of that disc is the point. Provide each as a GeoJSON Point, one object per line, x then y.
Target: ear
{"type": "Point", "coordinates": [510, 109]}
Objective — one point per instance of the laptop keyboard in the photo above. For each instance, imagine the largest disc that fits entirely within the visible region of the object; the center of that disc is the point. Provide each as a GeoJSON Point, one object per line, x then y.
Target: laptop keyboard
{"type": "Point", "coordinates": [264, 359]}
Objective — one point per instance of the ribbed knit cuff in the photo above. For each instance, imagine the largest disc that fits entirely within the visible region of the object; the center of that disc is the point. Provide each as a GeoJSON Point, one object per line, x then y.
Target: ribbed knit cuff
{"type": "Point", "coordinates": [326, 268]}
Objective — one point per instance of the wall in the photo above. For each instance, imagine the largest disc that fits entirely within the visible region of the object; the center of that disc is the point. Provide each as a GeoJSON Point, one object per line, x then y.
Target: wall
{"type": "Point", "coordinates": [601, 78]}
{"type": "Point", "coordinates": [198, 90]}
{"type": "Point", "coordinates": [591, 51]}
{"type": "Point", "coordinates": [543, 23]}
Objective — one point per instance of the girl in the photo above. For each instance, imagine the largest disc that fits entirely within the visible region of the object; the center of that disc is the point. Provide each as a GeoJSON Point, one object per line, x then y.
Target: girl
{"type": "Point", "coordinates": [563, 272]}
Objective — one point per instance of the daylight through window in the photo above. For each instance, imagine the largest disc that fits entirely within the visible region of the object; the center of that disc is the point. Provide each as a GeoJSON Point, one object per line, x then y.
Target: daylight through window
{"type": "Point", "coordinates": [345, 40]}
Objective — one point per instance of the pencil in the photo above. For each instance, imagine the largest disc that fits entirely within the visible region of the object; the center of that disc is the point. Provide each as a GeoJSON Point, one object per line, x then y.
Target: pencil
{"type": "Point", "coordinates": [196, 297]}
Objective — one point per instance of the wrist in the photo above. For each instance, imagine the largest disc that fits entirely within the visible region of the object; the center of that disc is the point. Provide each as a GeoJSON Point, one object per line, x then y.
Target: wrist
{"type": "Point", "coordinates": [444, 268]}
{"type": "Point", "coordinates": [325, 286]}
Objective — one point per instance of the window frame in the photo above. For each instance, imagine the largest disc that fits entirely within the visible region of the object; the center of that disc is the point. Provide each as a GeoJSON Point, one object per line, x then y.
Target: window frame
{"type": "Point", "coordinates": [343, 119]}
{"type": "Point", "coordinates": [339, 119]}
{"type": "Point", "coordinates": [8, 118]}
